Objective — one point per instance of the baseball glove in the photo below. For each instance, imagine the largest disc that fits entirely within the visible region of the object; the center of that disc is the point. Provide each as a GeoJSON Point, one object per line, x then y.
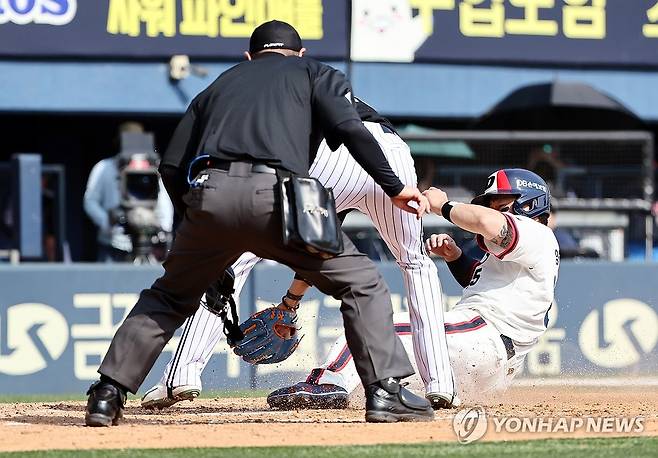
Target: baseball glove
{"type": "Point", "coordinates": [270, 336]}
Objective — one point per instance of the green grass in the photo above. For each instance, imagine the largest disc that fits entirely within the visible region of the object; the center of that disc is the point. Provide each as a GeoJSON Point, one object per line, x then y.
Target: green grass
{"type": "Point", "coordinates": [568, 448]}
{"type": "Point", "coordinates": [10, 398]}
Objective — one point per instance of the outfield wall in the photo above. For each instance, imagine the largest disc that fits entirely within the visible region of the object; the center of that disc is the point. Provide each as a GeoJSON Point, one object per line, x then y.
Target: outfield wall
{"type": "Point", "coordinates": [57, 321]}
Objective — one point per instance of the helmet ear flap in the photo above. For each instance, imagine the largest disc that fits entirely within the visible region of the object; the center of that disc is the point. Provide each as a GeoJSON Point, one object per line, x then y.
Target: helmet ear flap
{"type": "Point", "coordinates": [535, 203]}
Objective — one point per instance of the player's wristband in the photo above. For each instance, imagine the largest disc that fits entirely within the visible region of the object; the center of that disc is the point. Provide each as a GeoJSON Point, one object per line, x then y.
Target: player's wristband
{"type": "Point", "coordinates": [292, 297]}
{"type": "Point", "coordinates": [446, 209]}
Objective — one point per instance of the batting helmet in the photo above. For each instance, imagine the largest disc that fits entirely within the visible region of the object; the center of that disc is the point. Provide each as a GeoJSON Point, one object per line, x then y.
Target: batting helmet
{"type": "Point", "coordinates": [533, 198]}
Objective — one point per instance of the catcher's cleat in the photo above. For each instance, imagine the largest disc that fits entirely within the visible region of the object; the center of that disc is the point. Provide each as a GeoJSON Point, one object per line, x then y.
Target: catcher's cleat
{"type": "Point", "coordinates": [443, 401]}
{"type": "Point", "coordinates": [158, 397]}
{"type": "Point", "coordinates": [105, 405]}
{"type": "Point", "coordinates": [387, 401]}
{"type": "Point", "coordinates": [308, 396]}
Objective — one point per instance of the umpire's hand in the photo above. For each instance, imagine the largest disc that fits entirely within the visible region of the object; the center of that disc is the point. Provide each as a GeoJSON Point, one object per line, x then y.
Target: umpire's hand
{"type": "Point", "coordinates": [408, 195]}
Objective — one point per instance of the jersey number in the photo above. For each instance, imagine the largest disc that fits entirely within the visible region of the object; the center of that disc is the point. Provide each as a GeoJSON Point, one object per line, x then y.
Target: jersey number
{"type": "Point", "coordinates": [476, 276]}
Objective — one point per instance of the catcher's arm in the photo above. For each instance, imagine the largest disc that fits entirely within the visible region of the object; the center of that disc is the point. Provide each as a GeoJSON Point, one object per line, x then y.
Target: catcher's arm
{"type": "Point", "coordinates": [270, 336]}
{"type": "Point", "coordinates": [293, 297]}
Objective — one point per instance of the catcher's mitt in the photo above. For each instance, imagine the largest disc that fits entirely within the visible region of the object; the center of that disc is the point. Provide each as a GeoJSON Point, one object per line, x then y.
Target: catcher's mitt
{"type": "Point", "coordinates": [270, 336]}
{"type": "Point", "coordinates": [219, 299]}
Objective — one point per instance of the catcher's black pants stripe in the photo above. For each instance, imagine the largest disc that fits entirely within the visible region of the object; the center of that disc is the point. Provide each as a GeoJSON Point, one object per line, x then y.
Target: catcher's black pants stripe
{"type": "Point", "coordinates": [234, 212]}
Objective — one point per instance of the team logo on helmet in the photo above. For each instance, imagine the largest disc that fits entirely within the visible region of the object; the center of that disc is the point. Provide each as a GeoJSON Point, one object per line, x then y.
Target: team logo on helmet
{"type": "Point", "coordinates": [530, 184]}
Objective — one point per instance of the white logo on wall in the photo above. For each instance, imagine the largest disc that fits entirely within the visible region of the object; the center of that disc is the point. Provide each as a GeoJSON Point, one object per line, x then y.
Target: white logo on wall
{"type": "Point", "coordinates": [36, 334]}
{"type": "Point", "coordinates": [52, 12]}
{"type": "Point", "coordinates": [620, 335]}
{"type": "Point", "coordinates": [470, 424]}
{"type": "Point", "coordinates": [385, 30]}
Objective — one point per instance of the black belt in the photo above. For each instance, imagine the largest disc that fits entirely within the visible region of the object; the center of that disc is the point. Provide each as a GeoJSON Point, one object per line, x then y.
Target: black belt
{"type": "Point", "coordinates": [509, 346]}
{"type": "Point", "coordinates": [220, 164]}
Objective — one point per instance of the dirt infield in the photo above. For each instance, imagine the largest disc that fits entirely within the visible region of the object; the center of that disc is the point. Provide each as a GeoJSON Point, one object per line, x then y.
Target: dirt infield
{"type": "Point", "coordinates": [249, 422]}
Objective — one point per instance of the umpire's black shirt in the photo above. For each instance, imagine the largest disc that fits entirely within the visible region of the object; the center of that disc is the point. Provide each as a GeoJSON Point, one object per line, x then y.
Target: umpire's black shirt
{"type": "Point", "coordinates": [274, 110]}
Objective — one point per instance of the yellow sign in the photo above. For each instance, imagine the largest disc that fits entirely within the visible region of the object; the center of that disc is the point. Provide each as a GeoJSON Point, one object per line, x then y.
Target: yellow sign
{"type": "Point", "coordinates": [211, 18]}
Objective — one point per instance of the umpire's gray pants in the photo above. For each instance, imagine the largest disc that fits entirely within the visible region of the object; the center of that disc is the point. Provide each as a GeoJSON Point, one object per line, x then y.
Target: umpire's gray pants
{"type": "Point", "coordinates": [232, 213]}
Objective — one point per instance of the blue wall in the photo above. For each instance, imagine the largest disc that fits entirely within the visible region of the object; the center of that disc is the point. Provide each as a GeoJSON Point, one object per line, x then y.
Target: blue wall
{"type": "Point", "coordinates": [56, 322]}
{"type": "Point", "coordinates": [469, 91]}
{"type": "Point", "coordinates": [431, 90]}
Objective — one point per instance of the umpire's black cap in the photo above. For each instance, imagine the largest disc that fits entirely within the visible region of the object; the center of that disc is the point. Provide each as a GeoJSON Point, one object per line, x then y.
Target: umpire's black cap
{"type": "Point", "coordinates": [274, 35]}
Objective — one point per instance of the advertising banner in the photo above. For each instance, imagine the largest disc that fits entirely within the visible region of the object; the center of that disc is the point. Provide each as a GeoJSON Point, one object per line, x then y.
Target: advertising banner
{"type": "Point", "coordinates": [562, 32]}
{"type": "Point", "coordinates": [162, 28]}
{"type": "Point", "coordinates": [56, 324]}
{"type": "Point", "coordinates": [598, 32]}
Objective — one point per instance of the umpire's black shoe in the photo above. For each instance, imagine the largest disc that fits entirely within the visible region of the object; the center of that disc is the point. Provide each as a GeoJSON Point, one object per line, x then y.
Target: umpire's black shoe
{"type": "Point", "coordinates": [388, 402]}
{"type": "Point", "coordinates": [105, 404]}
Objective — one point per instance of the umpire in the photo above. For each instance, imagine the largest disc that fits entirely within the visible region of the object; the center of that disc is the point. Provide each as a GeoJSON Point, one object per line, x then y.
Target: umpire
{"type": "Point", "coordinates": [269, 112]}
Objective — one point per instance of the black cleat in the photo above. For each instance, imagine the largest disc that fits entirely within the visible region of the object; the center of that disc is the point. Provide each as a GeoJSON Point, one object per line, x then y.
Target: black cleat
{"type": "Point", "coordinates": [388, 402]}
{"type": "Point", "coordinates": [105, 404]}
{"type": "Point", "coordinates": [308, 396]}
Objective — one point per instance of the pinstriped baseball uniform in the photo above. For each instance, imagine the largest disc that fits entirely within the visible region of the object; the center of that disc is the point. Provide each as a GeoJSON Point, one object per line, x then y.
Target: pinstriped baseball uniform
{"type": "Point", "coordinates": [353, 189]}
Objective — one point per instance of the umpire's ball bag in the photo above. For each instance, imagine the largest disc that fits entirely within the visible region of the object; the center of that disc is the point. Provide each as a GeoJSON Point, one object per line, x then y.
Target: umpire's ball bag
{"type": "Point", "coordinates": [308, 213]}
